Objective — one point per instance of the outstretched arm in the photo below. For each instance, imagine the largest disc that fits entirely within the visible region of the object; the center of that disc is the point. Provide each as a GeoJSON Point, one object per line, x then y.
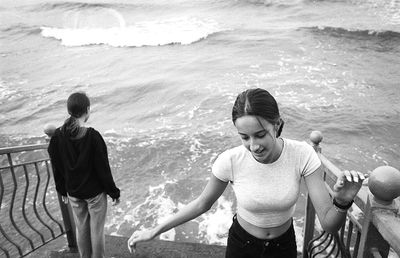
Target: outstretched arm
{"type": "Point", "coordinates": [201, 204]}
{"type": "Point", "coordinates": [344, 191]}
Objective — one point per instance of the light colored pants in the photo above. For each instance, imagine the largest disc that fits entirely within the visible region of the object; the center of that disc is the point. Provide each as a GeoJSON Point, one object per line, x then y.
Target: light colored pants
{"type": "Point", "coordinates": [90, 216]}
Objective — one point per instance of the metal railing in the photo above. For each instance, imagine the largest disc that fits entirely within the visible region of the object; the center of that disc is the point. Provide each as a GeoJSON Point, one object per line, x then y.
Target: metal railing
{"type": "Point", "coordinates": [372, 227]}
{"type": "Point", "coordinates": [30, 208]}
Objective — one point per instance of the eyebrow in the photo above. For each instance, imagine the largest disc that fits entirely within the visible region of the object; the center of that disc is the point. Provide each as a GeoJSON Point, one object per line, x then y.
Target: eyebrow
{"type": "Point", "coordinates": [261, 131]}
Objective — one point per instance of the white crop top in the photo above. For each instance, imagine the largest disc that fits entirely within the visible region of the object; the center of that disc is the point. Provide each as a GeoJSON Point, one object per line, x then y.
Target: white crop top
{"type": "Point", "coordinates": [266, 194]}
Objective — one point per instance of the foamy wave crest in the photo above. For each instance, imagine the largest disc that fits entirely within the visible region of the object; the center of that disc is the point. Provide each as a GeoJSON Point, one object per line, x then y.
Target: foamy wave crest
{"type": "Point", "coordinates": [182, 31]}
{"type": "Point", "coordinates": [355, 33]}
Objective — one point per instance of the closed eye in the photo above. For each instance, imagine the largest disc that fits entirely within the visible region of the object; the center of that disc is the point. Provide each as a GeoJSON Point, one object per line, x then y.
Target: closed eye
{"type": "Point", "coordinates": [244, 137]}
{"type": "Point", "coordinates": [261, 135]}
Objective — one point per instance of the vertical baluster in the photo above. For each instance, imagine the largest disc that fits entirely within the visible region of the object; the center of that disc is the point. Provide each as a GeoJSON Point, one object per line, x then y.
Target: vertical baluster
{"type": "Point", "coordinates": [23, 205]}
{"type": "Point", "coordinates": [349, 236]}
{"type": "Point", "coordinates": [309, 221]}
{"type": "Point", "coordinates": [1, 228]}
{"type": "Point", "coordinates": [342, 232]}
{"type": "Point", "coordinates": [357, 244]}
{"type": "Point", "coordinates": [12, 202]}
{"type": "Point", "coordinates": [35, 199]}
{"type": "Point", "coordinates": [1, 189]}
{"type": "Point", "coordinates": [44, 196]}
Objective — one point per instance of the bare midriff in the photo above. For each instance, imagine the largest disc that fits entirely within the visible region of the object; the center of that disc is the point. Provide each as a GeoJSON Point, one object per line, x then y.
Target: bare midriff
{"type": "Point", "coordinates": [264, 233]}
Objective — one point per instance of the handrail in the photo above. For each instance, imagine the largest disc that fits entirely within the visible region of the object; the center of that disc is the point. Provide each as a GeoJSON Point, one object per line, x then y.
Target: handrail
{"type": "Point", "coordinates": [377, 232]}
{"type": "Point", "coordinates": [28, 217]}
{"type": "Point", "coordinates": [22, 148]}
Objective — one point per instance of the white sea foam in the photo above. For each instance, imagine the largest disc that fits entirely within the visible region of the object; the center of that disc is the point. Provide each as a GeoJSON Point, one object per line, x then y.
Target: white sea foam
{"type": "Point", "coordinates": [215, 224]}
{"type": "Point", "coordinates": [155, 209]}
{"type": "Point", "coordinates": [183, 31]}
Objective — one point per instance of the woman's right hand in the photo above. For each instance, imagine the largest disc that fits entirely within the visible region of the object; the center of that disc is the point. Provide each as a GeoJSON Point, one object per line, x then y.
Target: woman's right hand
{"type": "Point", "coordinates": [137, 237]}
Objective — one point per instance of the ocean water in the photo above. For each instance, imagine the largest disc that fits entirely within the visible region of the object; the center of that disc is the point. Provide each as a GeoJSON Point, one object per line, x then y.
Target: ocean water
{"type": "Point", "coordinates": [162, 77]}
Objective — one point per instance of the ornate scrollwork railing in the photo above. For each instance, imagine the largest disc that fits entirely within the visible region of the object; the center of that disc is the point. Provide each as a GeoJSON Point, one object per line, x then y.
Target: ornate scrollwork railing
{"type": "Point", "coordinates": [30, 208]}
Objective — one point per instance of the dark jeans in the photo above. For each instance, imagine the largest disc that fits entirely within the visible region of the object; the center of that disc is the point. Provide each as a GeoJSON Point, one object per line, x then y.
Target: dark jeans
{"type": "Point", "coordinates": [244, 245]}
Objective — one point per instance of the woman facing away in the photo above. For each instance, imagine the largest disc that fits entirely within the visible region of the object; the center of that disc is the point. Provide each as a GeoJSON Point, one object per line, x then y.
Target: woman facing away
{"type": "Point", "coordinates": [265, 173]}
{"type": "Point", "coordinates": [82, 175]}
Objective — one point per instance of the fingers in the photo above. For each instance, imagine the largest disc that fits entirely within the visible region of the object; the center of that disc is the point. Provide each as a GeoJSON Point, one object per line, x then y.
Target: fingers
{"type": "Point", "coordinates": [353, 176]}
{"type": "Point", "coordinates": [132, 242]}
{"type": "Point", "coordinates": [64, 199]}
{"type": "Point", "coordinates": [349, 177]}
{"type": "Point", "coordinates": [131, 246]}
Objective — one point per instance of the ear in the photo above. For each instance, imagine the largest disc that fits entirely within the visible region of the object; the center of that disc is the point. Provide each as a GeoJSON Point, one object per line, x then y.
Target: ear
{"type": "Point", "coordinates": [278, 127]}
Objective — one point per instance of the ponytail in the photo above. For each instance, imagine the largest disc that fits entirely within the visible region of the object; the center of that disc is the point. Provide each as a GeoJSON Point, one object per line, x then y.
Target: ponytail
{"type": "Point", "coordinates": [71, 127]}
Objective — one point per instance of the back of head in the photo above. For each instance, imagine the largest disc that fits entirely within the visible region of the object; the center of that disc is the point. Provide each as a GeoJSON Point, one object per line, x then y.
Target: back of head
{"type": "Point", "coordinates": [77, 105]}
{"type": "Point", "coordinates": [257, 102]}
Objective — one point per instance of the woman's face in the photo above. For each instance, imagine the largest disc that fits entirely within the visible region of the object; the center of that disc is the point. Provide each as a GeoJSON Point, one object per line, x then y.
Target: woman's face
{"type": "Point", "coordinates": [259, 137]}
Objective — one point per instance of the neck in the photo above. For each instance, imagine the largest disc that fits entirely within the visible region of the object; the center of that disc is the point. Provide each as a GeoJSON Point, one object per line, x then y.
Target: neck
{"type": "Point", "coordinates": [277, 151]}
{"type": "Point", "coordinates": [81, 121]}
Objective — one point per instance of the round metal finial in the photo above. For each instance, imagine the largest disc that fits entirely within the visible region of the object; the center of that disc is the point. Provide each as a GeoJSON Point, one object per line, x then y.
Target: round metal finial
{"type": "Point", "coordinates": [49, 129]}
{"type": "Point", "coordinates": [316, 137]}
{"type": "Point", "coordinates": [384, 184]}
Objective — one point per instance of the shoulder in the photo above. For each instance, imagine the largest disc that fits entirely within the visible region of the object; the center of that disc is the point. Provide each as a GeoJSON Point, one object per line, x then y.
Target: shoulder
{"type": "Point", "coordinates": [93, 133]}
{"type": "Point", "coordinates": [57, 134]}
{"type": "Point", "coordinates": [233, 153]}
{"type": "Point", "coordinates": [96, 138]}
{"type": "Point", "coordinates": [231, 157]}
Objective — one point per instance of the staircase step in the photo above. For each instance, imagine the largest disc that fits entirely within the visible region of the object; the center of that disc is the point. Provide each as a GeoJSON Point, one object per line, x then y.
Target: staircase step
{"type": "Point", "coordinates": [117, 247]}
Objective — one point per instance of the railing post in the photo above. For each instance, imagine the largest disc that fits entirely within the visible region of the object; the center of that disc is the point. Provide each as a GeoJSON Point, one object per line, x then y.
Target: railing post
{"type": "Point", "coordinates": [309, 220]}
{"type": "Point", "coordinates": [69, 224]}
{"type": "Point", "coordinates": [66, 211]}
{"type": "Point", "coordinates": [384, 187]}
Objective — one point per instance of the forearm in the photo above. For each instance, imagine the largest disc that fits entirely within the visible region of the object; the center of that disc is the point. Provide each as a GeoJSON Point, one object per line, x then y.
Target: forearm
{"type": "Point", "coordinates": [333, 219]}
{"type": "Point", "coordinates": [187, 213]}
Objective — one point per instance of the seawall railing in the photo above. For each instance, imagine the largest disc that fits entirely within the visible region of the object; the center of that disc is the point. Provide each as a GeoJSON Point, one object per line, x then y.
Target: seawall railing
{"type": "Point", "coordinates": [32, 213]}
{"type": "Point", "coordinates": [372, 227]}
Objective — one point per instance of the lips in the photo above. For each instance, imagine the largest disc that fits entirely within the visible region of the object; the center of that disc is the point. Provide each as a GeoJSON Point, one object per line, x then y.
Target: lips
{"type": "Point", "coordinates": [258, 153]}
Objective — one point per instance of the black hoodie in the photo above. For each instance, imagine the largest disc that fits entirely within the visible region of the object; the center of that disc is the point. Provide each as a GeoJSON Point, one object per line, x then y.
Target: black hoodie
{"type": "Point", "coordinates": [80, 166]}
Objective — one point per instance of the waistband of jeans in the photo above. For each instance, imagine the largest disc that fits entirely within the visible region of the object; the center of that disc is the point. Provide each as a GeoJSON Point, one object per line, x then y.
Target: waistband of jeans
{"type": "Point", "coordinates": [278, 239]}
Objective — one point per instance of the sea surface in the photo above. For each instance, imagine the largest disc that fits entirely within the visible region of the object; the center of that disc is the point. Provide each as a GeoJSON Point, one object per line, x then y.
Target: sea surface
{"type": "Point", "coordinates": [162, 77]}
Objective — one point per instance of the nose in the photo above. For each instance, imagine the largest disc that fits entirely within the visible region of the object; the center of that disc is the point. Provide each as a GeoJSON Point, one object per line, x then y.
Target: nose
{"type": "Point", "coordinates": [253, 145]}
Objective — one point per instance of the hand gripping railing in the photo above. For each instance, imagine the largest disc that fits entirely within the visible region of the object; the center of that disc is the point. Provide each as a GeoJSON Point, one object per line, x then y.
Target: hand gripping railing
{"type": "Point", "coordinates": [373, 234]}
{"type": "Point", "coordinates": [29, 205]}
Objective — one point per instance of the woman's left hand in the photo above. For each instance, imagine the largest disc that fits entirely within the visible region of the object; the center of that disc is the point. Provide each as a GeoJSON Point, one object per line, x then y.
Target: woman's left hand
{"type": "Point", "coordinates": [348, 185]}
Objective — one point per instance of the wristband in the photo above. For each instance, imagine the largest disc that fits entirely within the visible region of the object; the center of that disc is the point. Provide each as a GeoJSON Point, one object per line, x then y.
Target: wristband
{"type": "Point", "coordinates": [342, 207]}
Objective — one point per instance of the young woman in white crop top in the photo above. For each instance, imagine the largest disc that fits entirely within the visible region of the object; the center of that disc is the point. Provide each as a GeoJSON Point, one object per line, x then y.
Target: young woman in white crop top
{"type": "Point", "coordinates": [265, 173]}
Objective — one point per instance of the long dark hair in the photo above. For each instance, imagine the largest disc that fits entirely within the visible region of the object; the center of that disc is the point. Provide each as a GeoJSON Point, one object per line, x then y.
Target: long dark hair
{"type": "Point", "coordinates": [257, 102]}
{"type": "Point", "coordinates": [77, 105]}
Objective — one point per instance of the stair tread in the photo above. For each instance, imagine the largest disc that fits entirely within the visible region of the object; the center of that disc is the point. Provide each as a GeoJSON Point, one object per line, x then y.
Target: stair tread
{"type": "Point", "coordinates": [117, 247]}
